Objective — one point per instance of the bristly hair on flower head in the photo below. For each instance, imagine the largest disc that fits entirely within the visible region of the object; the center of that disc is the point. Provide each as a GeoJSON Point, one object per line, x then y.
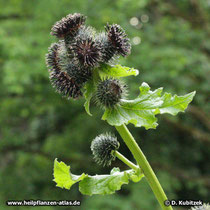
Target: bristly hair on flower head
{"type": "Point", "coordinates": [68, 25]}
{"type": "Point", "coordinates": [118, 39]}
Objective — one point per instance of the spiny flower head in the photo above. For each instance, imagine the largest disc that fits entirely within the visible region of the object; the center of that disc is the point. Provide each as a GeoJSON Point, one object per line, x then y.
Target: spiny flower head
{"type": "Point", "coordinates": [65, 77]}
{"type": "Point", "coordinates": [87, 52]}
{"type": "Point", "coordinates": [68, 25]}
{"type": "Point", "coordinates": [103, 147]}
{"type": "Point", "coordinates": [65, 85]}
{"type": "Point", "coordinates": [110, 91]}
{"type": "Point", "coordinates": [51, 56]}
{"type": "Point", "coordinates": [78, 73]}
{"type": "Point", "coordinates": [118, 39]}
{"type": "Point", "coordinates": [108, 51]}
{"type": "Point", "coordinates": [63, 57]}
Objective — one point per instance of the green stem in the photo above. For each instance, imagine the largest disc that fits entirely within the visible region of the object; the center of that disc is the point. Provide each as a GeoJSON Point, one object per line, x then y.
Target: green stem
{"type": "Point", "coordinates": [144, 164]}
{"type": "Point", "coordinates": [126, 161]}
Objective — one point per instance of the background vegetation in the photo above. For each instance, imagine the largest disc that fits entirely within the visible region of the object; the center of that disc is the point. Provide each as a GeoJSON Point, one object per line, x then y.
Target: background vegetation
{"type": "Point", "coordinates": [171, 48]}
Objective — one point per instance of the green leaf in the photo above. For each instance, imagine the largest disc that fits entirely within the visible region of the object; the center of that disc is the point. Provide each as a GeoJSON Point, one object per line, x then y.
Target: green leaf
{"type": "Point", "coordinates": [108, 184]}
{"type": "Point", "coordinates": [98, 184]}
{"type": "Point", "coordinates": [63, 176]}
{"type": "Point", "coordinates": [116, 71]}
{"type": "Point", "coordinates": [142, 110]}
{"type": "Point", "coordinates": [174, 104]}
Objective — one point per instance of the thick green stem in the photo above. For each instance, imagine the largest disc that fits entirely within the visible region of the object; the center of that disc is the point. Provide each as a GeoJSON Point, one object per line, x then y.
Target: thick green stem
{"type": "Point", "coordinates": [144, 164]}
{"type": "Point", "coordinates": [126, 161]}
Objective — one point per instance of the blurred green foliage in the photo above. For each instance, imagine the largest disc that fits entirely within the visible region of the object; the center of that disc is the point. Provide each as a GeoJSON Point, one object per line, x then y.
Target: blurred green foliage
{"type": "Point", "coordinates": [171, 48]}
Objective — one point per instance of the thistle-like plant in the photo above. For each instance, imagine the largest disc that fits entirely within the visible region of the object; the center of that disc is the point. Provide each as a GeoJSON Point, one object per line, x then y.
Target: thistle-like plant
{"type": "Point", "coordinates": [81, 63]}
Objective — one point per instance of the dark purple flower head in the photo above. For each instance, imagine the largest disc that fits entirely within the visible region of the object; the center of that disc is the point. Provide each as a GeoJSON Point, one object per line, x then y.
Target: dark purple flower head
{"type": "Point", "coordinates": [60, 80]}
{"type": "Point", "coordinates": [118, 39]}
{"type": "Point", "coordinates": [87, 52]}
{"type": "Point", "coordinates": [52, 57]}
{"type": "Point", "coordinates": [65, 85]}
{"type": "Point", "coordinates": [68, 25]}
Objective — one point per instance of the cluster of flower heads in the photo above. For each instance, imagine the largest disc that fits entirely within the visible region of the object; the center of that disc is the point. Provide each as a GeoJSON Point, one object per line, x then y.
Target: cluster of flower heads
{"type": "Point", "coordinates": [79, 50]}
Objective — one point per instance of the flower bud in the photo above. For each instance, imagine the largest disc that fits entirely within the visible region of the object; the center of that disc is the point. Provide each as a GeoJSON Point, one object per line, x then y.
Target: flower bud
{"type": "Point", "coordinates": [109, 92]}
{"type": "Point", "coordinates": [103, 147]}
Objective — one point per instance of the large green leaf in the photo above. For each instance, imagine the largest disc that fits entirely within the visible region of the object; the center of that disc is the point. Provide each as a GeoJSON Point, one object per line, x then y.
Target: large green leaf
{"type": "Point", "coordinates": [142, 110]}
{"type": "Point", "coordinates": [98, 184]}
{"type": "Point", "coordinates": [116, 71]}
